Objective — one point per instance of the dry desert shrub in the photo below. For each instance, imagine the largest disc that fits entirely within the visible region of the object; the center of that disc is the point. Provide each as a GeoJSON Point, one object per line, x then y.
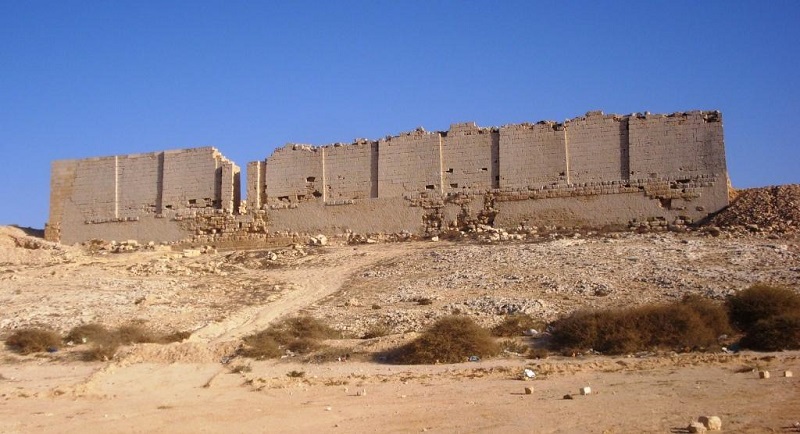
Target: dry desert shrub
{"type": "Point", "coordinates": [452, 339]}
{"type": "Point", "coordinates": [760, 302]}
{"type": "Point", "coordinates": [87, 333]}
{"type": "Point", "coordinates": [300, 335]}
{"type": "Point", "coordinates": [33, 340]}
{"type": "Point", "coordinates": [377, 331]}
{"type": "Point", "coordinates": [516, 325]}
{"type": "Point", "coordinates": [104, 343]}
{"type": "Point", "coordinates": [693, 323]}
{"type": "Point", "coordinates": [261, 346]}
{"type": "Point", "coordinates": [769, 316]}
{"type": "Point", "coordinates": [776, 333]}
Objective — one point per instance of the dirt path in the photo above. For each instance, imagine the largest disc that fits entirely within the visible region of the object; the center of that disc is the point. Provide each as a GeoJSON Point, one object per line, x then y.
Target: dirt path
{"type": "Point", "coordinates": [306, 285]}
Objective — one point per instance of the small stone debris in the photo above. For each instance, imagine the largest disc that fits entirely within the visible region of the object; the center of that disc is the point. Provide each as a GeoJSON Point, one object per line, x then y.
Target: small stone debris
{"type": "Point", "coordinates": [528, 374]}
{"type": "Point", "coordinates": [586, 390]}
{"type": "Point", "coordinates": [568, 396]}
{"type": "Point", "coordinates": [529, 390]}
{"type": "Point", "coordinates": [328, 408]}
{"type": "Point", "coordinates": [191, 253]}
{"type": "Point", "coordinates": [696, 427]}
{"type": "Point", "coordinates": [787, 374]}
{"type": "Point", "coordinates": [763, 374]}
{"type": "Point", "coordinates": [712, 423]}
{"type": "Point", "coordinates": [362, 392]}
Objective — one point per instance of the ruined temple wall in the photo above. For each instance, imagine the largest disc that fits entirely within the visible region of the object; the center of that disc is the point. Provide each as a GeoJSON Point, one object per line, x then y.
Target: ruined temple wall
{"type": "Point", "coordinates": [191, 179]}
{"type": "Point", "coordinates": [676, 146]}
{"type": "Point", "coordinates": [351, 171]}
{"type": "Point", "coordinates": [532, 155]}
{"type": "Point", "coordinates": [94, 188]}
{"type": "Point", "coordinates": [137, 196]}
{"type": "Point", "coordinates": [409, 163]}
{"type": "Point", "coordinates": [139, 184]}
{"type": "Point", "coordinates": [368, 216]}
{"type": "Point", "coordinates": [256, 184]}
{"type": "Point", "coordinates": [230, 186]}
{"type": "Point", "coordinates": [294, 173]}
{"type": "Point", "coordinates": [470, 159]}
{"type": "Point", "coordinates": [588, 211]}
{"type": "Point", "coordinates": [597, 146]}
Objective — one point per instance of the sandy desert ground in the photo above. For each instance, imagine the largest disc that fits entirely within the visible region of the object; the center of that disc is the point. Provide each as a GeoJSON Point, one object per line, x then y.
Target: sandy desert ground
{"type": "Point", "coordinates": [195, 385]}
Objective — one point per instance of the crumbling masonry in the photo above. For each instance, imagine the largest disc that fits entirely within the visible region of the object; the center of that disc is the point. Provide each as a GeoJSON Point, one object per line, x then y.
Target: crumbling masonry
{"type": "Point", "coordinates": [591, 171]}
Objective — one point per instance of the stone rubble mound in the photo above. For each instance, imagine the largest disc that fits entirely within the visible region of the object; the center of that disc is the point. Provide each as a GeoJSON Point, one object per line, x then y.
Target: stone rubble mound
{"type": "Point", "coordinates": [20, 246]}
{"type": "Point", "coordinates": [772, 210]}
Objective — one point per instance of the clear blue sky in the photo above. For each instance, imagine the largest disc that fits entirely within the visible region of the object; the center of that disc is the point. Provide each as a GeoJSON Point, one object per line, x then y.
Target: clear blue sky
{"type": "Point", "coordinates": [93, 78]}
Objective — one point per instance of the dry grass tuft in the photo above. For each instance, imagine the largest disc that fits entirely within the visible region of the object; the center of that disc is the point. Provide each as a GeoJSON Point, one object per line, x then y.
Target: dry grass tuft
{"type": "Point", "coordinates": [33, 340]}
{"type": "Point", "coordinates": [377, 331]}
{"type": "Point", "coordinates": [301, 335]}
{"type": "Point", "coordinates": [104, 343]}
{"type": "Point", "coordinates": [515, 325]}
{"type": "Point", "coordinates": [452, 339]}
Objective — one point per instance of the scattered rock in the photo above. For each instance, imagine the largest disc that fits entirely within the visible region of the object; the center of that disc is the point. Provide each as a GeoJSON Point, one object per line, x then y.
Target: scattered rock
{"type": "Point", "coordinates": [763, 374]}
{"type": "Point", "coordinates": [787, 373]}
{"type": "Point", "coordinates": [712, 423]}
{"type": "Point", "coordinates": [528, 390]}
{"type": "Point", "coordinates": [586, 390]}
{"type": "Point", "coordinates": [696, 427]}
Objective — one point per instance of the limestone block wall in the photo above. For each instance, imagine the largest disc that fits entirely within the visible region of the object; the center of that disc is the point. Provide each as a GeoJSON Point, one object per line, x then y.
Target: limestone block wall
{"type": "Point", "coordinates": [410, 162]}
{"type": "Point", "coordinates": [351, 171]}
{"type": "Point", "coordinates": [193, 178]}
{"type": "Point", "coordinates": [139, 184]}
{"type": "Point", "coordinates": [532, 155]}
{"type": "Point", "coordinates": [470, 158]}
{"type": "Point", "coordinates": [677, 146]}
{"type": "Point", "coordinates": [591, 170]}
{"type": "Point", "coordinates": [597, 146]}
{"type": "Point", "coordinates": [294, 173]}
{"type": "Point", "coordinates": [256, 184]}
{"type": "Point", "coordinates": [138, 195]}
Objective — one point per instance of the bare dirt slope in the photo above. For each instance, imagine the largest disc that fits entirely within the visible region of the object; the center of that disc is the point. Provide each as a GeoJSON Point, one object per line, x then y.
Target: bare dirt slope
{"type": "Point", "coordinates": [221, 296]}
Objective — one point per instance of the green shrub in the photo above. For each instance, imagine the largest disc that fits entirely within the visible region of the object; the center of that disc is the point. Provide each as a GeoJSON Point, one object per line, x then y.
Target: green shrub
{"type": "Point", "coordinates": [452, 339]}
{"type": "Point", "coordinates": [760, 302]}
{"type": "Point", "coordinates": [690, 324]}
{"type": "Point", "coordinates": [33, 340]}
{"type": "Point", "coordinates": [515, 325]}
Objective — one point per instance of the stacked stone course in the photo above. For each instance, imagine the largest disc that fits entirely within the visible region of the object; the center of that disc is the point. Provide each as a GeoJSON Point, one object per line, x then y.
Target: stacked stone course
{"type": "Point", "coordinates": [593, 170]}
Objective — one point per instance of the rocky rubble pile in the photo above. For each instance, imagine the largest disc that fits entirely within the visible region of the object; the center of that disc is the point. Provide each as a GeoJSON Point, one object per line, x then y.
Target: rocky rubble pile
{"type": "Point", "coordinates": [774, 210]}
{"type": "Point", "coordinates": [18, 247]}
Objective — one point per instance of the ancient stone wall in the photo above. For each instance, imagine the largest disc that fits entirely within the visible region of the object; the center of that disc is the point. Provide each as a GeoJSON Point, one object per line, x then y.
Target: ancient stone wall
{"type": "Point", "coordinates": [593, 170]}
{"type": "Point", "coordinates": [532, 155]}
{"type": "Point", "coordinates": [114, 197]}
{"type": "Point", "coordinates": [410, 162]}
{"type": "Point", "coordinates": [470, 158]}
